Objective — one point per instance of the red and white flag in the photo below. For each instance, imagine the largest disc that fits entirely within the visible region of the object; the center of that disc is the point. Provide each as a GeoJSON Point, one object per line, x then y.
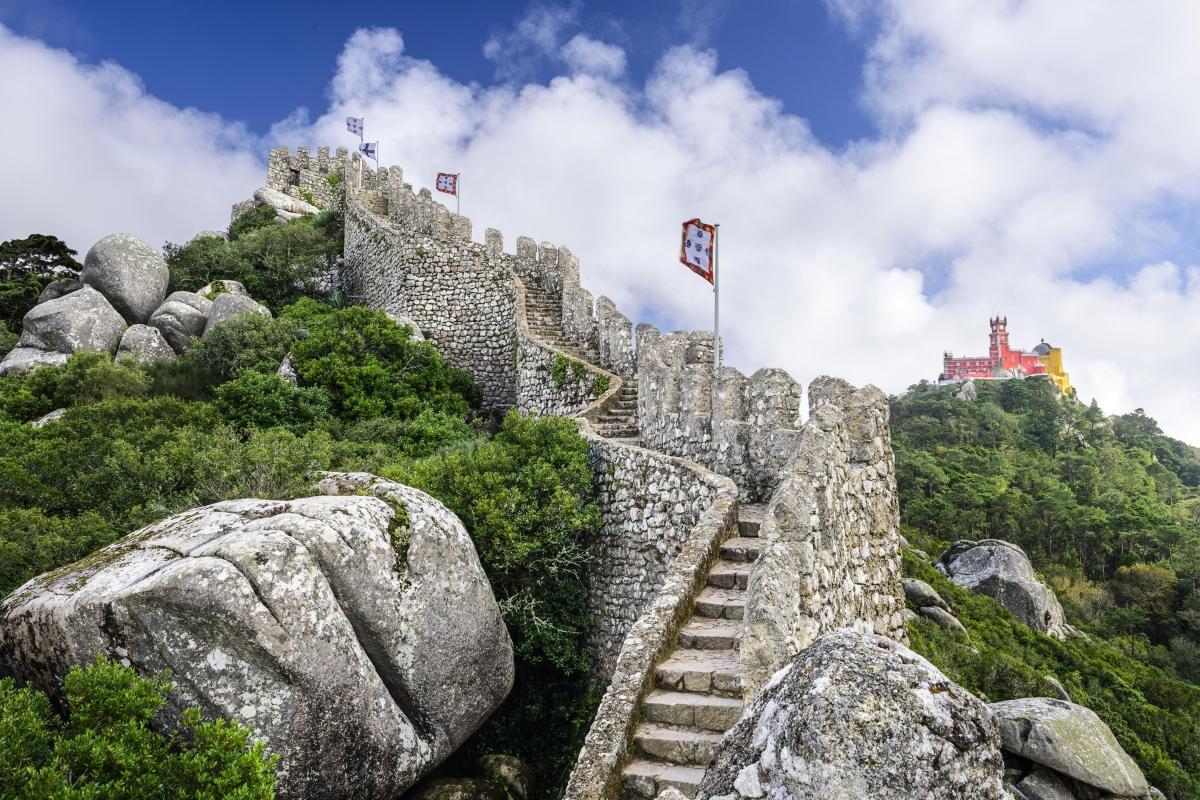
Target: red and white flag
{"type": "Point", "coordinates": [696, 250]}
{"type": "Point", "coordinates": [447, 182]}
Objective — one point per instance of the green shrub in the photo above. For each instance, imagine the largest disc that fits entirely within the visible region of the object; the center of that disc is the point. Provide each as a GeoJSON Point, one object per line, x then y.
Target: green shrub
{"type": "Point", "coordinates": [8, 339]}
{"type": "Point", "coordinates": [106, 748]}
{"type": "Point", "coordinates": [199, 262]}
{"type": "Point", "coordinates": [87, 377]}
{"type": "Point", "coordinates": [265, 400]}
{"type": "Point", "coordinates": [257, 217]}
{"type": "Point", "coordinates": [371, 367]}
{"type": "Point", "coordinates": [526, 499]}
{"type": "Point", "coordinates": [247, 343]}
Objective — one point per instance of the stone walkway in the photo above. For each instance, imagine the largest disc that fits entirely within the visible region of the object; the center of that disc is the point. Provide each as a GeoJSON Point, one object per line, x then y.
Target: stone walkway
{"type": "Point", "coordinates": [698, 694]}
{"type": "Point", "coordinates": [698, 688]}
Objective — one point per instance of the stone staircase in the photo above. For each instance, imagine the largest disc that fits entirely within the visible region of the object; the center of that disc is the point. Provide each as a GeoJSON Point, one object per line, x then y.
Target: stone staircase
{"type": "Point", "coordinates": [543, 310]}
{"type": "Point", "coordinates": [698, 688]}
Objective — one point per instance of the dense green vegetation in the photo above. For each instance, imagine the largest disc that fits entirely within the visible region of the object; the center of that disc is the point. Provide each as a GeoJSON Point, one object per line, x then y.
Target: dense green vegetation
{"type": "Point", "coordinates": [139, 443]}
{"type": "Point", "coordinates": [1108, 510]}
{"type": "Point", "coordinates": [1154, 715]}
{"type": "Point", "coordinates": [104, 746]}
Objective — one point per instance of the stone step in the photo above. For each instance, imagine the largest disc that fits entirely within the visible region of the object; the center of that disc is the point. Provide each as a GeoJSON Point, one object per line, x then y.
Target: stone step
{"type": "Point", "coordinates": [745, 549]}
{"type": "Point", "coordinates": [675, 745]}
{"type": "Point", "coordinates": [702, 633]}
{"type": "Point", "coordinates": [705, 711]}
{"type": "Point", "coordinates": [729, 575]}
{"type": "Point", "coordinates": [721, 603]}
{"type": "Point", "coordinates": [632, 441]}
{"type": "Point", "coordinates": [643, 779]}
{"type": "Point", "coordinates": [750, 517]}
{"type": "Point", "coordinates": [704, 671]}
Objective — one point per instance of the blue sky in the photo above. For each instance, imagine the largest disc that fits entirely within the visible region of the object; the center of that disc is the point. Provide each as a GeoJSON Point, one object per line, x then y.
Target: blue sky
{"type": "Point", "coordinates": [256, 62]}
{"type": "Point", "coordinates": [887, 173]}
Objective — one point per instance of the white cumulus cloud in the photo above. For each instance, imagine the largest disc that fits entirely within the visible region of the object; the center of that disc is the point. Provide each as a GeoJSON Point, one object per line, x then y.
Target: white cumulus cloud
{"type": "Point", "coordinates": [87, 152]}
{"type": "Point", "coordinates": [1038, 159]}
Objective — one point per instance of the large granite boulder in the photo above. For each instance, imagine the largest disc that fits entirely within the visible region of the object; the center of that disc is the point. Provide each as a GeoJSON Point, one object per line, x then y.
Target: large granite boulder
{"type": "Point", "coordinates": [1071, 740]}
{"type": "Point", "coordinates": [287, 206]}
{"type": "Point", "coordinates": [362, 645]}
{"type": "Point", "coordinates": [229, 305]}
{"type": "Point", "coordinates": [181, 318]}
{"type": "Point", "coordinates": [57, 288]}
{"type": "Point", "coordinates": [129, 272]}
{"type": "Point", "coordinates": [211, 290]}
{"type": "Point", "coordinates": [856, 716]}
{"type": "Point", "coordinates": [144, 344]}
{"type": "Point", "coordinates": [1002, 571]}
{"type": "Point", "coordinates": [23, 359]}
{"type": "Point", "coordinates": [81, 320]}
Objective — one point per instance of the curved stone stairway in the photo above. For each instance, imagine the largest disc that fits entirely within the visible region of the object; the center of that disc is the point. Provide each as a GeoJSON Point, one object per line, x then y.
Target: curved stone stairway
{"type": "Point", "coordinates": [698, 688]}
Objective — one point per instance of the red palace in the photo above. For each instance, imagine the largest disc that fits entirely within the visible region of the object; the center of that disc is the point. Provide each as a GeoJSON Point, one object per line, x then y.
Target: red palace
{"type": "Point", "coordinates": [1002, 362]}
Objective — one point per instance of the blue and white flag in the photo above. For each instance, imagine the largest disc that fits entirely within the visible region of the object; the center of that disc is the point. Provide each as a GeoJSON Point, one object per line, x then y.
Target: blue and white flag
{"type": "Point", "coordinates": [370, 149]}
{"type": "Point", "coordinates": [355, 125]}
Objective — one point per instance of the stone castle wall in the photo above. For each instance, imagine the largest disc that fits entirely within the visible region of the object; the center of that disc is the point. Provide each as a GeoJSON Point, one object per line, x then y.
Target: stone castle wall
{"type": "Point", "coordinates": [831, 534]}
{"type": "Point", "coordinates": [302, 172]}
{"type": "Point", "coordinates": [756, 425]}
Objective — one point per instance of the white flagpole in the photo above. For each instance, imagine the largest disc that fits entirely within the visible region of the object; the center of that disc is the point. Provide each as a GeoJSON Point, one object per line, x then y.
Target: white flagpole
{"type": "Point", "coordinates": [458, 195]}
{"type": "Point", "coordinates": [716, 325]}
{"type": "Point", "coordinates": [362, 127]}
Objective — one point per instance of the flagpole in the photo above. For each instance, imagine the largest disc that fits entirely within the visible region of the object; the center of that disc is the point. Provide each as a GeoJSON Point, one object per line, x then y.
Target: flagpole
{"type": "Point", "coordinates": [362, 127]}
{"type": "Point", "coordinates": [458, 195]}
{"type": "Point", "coordinates": [716, 324]}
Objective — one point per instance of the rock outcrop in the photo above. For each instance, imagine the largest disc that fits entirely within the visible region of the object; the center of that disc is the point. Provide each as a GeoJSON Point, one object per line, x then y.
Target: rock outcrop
{"type": "Point", "coordinates": [129, 272]}
{"type": "Point", "coordinates": [58, 288]}
{"type": "Point", "coordinates": [1070, 740]}
{"type": "Point", "coordinates": [859, 716]}
{"type": "Point", "coordinates": [229, 305]}
{"type": "Point", "coordinates": [144, 344]}
{"type": "Point", "coordinates": [286, 207]}
{"type": "Point", "coordinates": [23, 359]}
{"type": "Point", "coordinates": [209, 291]}
{"type": "Point", "coordinates": [81, 320]}
{"type": "Point", "coordinates": [1002, 571]}
{"type": "Point", "coordinates": [920, 593]}
{"type": "Point", "coordinates": [361, 644]}
{"type": "Point", "coordinates": [182, 318]}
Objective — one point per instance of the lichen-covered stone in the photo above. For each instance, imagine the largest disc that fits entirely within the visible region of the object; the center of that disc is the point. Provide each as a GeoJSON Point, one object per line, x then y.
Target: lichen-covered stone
{"type": "Point", "coordinates": [209, 291]}
{"type": "Point", "coordinates": [143, 344]}
{"type": "Point", "coordinates": [23, 359]}
{"type": "Point", "coordinates": [1002, 571]}
{"type": "Point", "coordinates": [129, 273]}
{"type": "Point", "coordinates": [228, 306]}
{"type": "Point", "coordinates": [360, 662]}
{"type": "Point", "coordinates": [181, 319]}
{"type": "Point", "coordinates": [859, 716]}
{"type": "Point", "coordinates": [920, 593]}
{"type": "Point", "coordinates": [58, 288]}
{"type": "Point", "coordinates": [1069, 739]}
{"type": "Point", "coordinates": [81, 320]}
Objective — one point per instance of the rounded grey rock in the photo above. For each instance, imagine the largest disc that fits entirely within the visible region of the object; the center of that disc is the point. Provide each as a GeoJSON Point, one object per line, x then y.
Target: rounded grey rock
{"type": "Point", "coordinates": [81, 320]}
{"type": "Point", "coordinates": [1002, 571]}
{"type": "Point", "coordinates": [53, 416]}
{"type": "Point", "coordinates": [144, 344]}
{"type": "Point", "coordinates": [58, 288]}
{"type": "Point", "coordinates": [1069, 739]}
{"type": "Point", "coordinates": [23, 359]}
{"type": "Point", "coordinates": [944, 618]}
{"type": "Point", "coordinates": [362, 664]}
{"type": "Point", "coordinates": [131, 274]}
{"type": "Point", "coordinates": [859, 715]}
{"type": "Point", "coordinates": [920, 593]}
{"type": "Point", "coordinates": [209, 291]}
{"type": "Point", "coordinates": [229, 305]}
{"type": "Point", "coordinates": [181, 320]}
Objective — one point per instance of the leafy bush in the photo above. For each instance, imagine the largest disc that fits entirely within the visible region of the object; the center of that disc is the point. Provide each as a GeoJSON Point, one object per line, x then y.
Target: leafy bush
{"type": "Point", "coordinates": [277, 263]}
{"type": "Point", "coordinates": [526, 499]}
{"type": "Point", "coordinates": [87, 377]}
{"type": "Point", "coordinates": [257, 217]}
{"type": "Point", "coordinates": [1154, 716]}
{"type": "Point", "coordinates": [26, 266]}
{"type": "Point", "coordinates": [371, 367]}
{"type": "Point", "coordinates": [247, 343]}
{"type": "Point", "coordinates": [265, 400]}
{"type": "Point", "coordinates": [106, 747]}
